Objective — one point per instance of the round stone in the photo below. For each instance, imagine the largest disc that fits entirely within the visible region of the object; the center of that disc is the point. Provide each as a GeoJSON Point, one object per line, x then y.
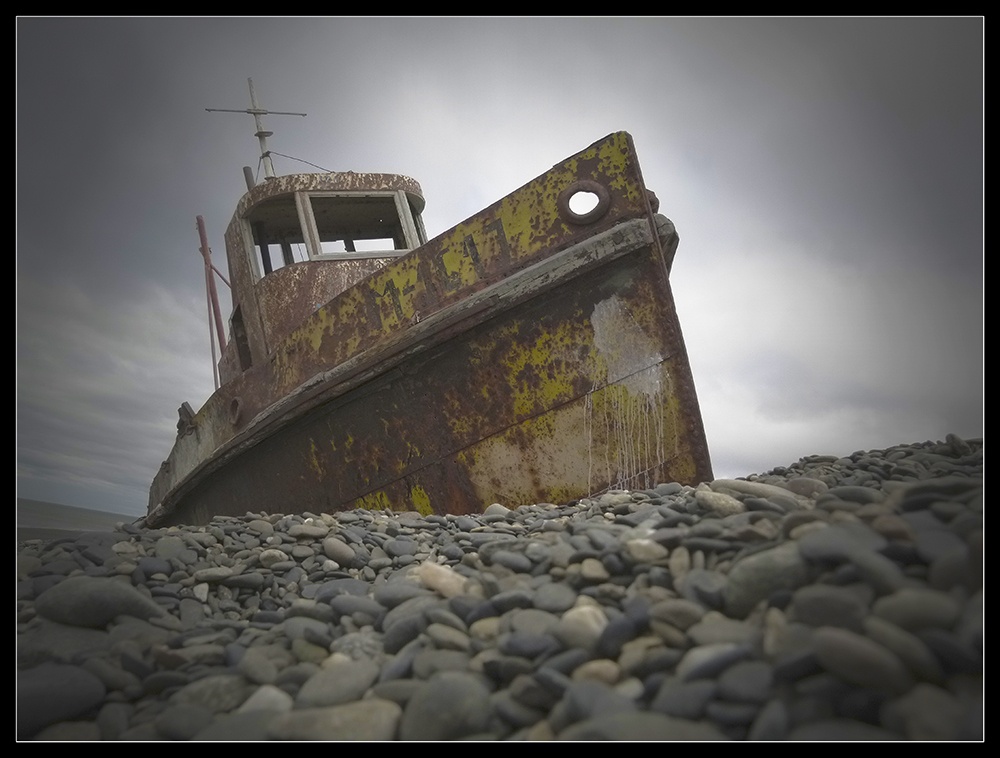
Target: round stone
{"type": "Point", "coordinates": [860, 661]}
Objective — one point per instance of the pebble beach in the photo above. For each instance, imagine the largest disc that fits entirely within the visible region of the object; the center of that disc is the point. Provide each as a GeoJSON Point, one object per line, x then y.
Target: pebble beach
{"type": "Point", "coordinates": [833, 599]}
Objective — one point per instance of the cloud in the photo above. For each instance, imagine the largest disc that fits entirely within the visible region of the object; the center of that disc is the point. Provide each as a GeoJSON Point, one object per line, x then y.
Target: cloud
{"type": "Point", "coordinates": [99, 384]}
{"type": "Point", "coordinates": [804, 352]}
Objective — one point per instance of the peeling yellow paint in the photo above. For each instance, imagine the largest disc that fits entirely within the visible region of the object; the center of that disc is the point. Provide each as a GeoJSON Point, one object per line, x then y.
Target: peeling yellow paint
{"type": "Point", "coordinates": [537, 373]}
{"type": "Point", "coordinates": [460, 424]}
{"type": "Point", "coordinates": [314, 459]}
{"type": "Point", "coordinates": [320, 326]}
{"type": "Point", "coordinates": [374, 501]}
{"type": "Point", "coordinates": [421, 500]}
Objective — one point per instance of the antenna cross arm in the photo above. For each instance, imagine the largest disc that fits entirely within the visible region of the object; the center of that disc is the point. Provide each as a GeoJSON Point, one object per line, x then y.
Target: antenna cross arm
{"type": "Point", "coordinates": [254, 112]}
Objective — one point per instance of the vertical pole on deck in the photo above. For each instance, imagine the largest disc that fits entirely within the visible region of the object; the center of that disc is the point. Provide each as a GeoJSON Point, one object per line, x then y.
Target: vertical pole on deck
{"type": "Point", "coordinates": [261, 134]}
{"type": "Point", "coordinates": [213, 299]}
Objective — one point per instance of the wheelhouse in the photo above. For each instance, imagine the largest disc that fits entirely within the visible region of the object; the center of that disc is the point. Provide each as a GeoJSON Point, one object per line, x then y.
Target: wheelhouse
{"type": "Point", "coordinates": [298, 241]}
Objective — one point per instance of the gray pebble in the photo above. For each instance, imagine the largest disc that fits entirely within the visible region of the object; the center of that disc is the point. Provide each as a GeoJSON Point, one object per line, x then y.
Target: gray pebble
{"type": "Point", "coordinates": [372, 720]}
{"type": "Point", "coordinates": [94, 602]}
{"type": "Point", "coordinates": [686, 700]}
{"type": "Point", "coordinates": [914, 608]}
{"type": "Point", "coordinates": [450, 706]}
{"type": "Point", "coordinates": [51, 693]}
{"type": "Point", "coordinates": [341, 682]}
{"type": "Point", "coordinates": [641, 726]}
{"type": "Point", "coordinates": [756, 577]}
{"type": "Point", "coordinates": [746, 682]}
{"type": "Point", "coordinates": [860, 661]}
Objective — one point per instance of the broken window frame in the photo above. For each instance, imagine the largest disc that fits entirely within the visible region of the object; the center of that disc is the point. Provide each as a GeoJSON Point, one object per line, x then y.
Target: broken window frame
{"type": "Point", "coordinates": [406, 221]}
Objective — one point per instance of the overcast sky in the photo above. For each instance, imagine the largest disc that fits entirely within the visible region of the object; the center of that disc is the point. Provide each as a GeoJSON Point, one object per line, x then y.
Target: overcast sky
{"type": "Point", "coordinates": [825, 177]}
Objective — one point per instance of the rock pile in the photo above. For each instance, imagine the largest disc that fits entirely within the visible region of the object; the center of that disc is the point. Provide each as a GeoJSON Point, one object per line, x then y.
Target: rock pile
{"type": "Point", "coordinates": [833, 599]}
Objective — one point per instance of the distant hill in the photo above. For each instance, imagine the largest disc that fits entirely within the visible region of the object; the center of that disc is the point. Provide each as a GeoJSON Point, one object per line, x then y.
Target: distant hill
{"type": "Point", "coordinates": [37, 514]}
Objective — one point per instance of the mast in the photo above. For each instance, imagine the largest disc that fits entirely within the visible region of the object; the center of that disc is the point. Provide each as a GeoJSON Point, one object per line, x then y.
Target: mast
{"type": "Point", "coordinates": [262, 134]}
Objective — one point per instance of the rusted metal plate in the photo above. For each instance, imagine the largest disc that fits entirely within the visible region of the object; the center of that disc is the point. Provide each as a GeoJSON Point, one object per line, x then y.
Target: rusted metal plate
{"type": "Point", "coordinates": [525, 355]}
{"type": "Point", "coordinates": [291, 294]}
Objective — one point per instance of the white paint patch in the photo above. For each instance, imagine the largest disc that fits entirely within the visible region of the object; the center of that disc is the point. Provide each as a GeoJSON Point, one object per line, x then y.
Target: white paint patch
{"type": "Point", "coordinates": [630, 424]}
{"type": "Point", "coordinates": [630, 353]}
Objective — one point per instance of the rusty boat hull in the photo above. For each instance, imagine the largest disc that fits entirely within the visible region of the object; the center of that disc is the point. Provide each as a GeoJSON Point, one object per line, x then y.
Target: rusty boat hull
{"type": "Point", "coordinates": [530, 354]}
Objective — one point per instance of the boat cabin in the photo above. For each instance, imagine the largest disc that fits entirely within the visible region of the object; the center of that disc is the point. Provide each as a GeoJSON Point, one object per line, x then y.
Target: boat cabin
{"type": "Point", "coordinates": [297, 241]}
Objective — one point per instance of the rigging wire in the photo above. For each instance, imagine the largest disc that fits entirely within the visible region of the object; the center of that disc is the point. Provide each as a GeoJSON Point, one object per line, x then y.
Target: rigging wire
{"type": "Point", "coordinates": [300, 160]}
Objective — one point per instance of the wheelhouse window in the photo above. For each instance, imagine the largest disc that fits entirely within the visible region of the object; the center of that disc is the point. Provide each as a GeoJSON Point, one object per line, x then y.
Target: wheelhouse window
{"type": "Point", "coordinates": [332, 226]}
{"type": "Point", "coordinates": [277, 235]}
{"type": "Point", "coordinates": [357, 224]}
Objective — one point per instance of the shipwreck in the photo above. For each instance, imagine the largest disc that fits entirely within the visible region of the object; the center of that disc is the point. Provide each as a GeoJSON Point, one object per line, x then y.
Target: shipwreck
{"type": "Point", "coordinates": [531, 353]}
